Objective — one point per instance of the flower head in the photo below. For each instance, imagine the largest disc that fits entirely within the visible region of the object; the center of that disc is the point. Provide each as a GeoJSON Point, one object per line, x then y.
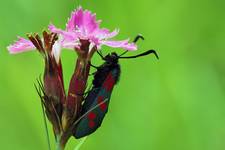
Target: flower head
{"type": "Point", "coordinates": [53, 87]}
{"type": "Point", "coordinates": [41, 44]}
{"type": "Point", "coordinates": [83, 25]}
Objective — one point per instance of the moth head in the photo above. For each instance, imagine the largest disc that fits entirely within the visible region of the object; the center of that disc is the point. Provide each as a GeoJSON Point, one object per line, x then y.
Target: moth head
{"type": "Point", "coordinates": [112, 58]}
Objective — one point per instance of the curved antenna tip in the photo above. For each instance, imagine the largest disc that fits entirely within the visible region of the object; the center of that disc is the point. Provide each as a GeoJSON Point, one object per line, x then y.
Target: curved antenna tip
{"type": "Point", "coordinates": [154, 52]}
{"type": "Point", "coordinates": [139, 36]}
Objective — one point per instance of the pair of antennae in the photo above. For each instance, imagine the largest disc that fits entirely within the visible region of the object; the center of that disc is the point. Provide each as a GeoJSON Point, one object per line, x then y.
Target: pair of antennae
{"type": "Point", "coordinates": [136, 39]}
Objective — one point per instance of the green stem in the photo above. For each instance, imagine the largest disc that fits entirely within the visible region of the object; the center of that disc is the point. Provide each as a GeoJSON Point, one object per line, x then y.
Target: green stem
{"type": "Point", "coordinates": [59, 146]}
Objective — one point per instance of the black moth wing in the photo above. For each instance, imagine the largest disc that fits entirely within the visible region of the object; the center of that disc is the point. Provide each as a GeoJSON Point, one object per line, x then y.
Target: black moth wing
{"type": "Point", "coordinates": [97, 102]}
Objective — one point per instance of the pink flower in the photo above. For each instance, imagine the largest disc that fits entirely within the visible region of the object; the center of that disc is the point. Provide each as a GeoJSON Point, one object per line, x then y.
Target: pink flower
{"type": "Point", "coordinates": [21, 45]}
{"type": "Point", "coordinates": [24, 45]}
{"type": "Point", "coordinates": [83, 26]}
{"type": "Point", "coordinates": [49, 46]}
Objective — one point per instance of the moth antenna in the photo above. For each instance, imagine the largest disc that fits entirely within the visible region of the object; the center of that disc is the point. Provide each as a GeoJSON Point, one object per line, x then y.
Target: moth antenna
{"type": "Point", "coordinates": [136, 39]}
{"type": "Point", "coordinates": [143, 54]}
{"type": "Point", "coordinates": [123, 53]}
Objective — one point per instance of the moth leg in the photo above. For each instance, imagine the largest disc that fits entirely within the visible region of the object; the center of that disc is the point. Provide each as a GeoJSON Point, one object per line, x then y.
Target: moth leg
{"type": "Point", "coordinates": [100, 54]}
{"type": "Point", "coordinates": [91, 74]}
{"type": "Point", "coordinates": [84, 94]}
{"type": "Point", "coordinates": [88, 90]}
{"type": "Point", "coordinates": [93, 66]}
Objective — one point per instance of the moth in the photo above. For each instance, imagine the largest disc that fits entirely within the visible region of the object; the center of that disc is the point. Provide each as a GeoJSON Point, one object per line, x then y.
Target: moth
{"type": "Point", "coordinates": [96, 102]}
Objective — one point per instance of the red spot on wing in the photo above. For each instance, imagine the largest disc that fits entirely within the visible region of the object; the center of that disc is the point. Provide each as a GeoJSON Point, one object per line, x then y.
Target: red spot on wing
{"type": "Point", "coordinates": [91, 124]}
{"type": "Point", "coordinates": [101, 103]}
{"type": "Point", "coordinates": [109, 82]}
{"type": "Point", "coordinates": [91, 116]}
{"type": "Point", "coordinates": [103, 106]}
{"type": "Point", "coordinates": [100, 99]}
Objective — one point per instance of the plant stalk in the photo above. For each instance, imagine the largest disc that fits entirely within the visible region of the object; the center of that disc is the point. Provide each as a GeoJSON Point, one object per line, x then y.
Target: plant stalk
{"type": "Point", "coordinates": [59, 144]}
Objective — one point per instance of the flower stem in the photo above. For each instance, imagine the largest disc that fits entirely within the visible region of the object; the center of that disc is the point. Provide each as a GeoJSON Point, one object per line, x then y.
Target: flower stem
{"type": "Point", "coordinates": [59, 145]}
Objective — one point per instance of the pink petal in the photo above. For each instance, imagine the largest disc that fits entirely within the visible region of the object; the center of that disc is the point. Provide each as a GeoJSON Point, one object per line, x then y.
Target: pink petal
{"type": "Point", "coordinates": [69, 44]}
{"type": "Point", "coordinates": [105, 34]}
{"type": "Point", "coordinates": [21, 45]}
{"type": "Point", "coordinates": [84, 21]}
{"type": "Point", "coordinates": [89, 22]}
{"type": "Point", "coordinates": [78, 14]}
{"type": "Point", "coordinates": [66, 35]}
{"type": "Point", "coordinates": [69, 39]}
{"type": "Point", "coordinates": [83, 25]}
{"type": "Point", "coordinates": [120, 44]}
{"type": "Point", "coordinates": [77, 18]}
{"type": "Point", "coordinates": [112, 34]}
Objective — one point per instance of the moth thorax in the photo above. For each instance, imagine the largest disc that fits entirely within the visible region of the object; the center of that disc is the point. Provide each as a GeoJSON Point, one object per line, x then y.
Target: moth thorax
{"type": "Point", "coordinates": [112, 58]}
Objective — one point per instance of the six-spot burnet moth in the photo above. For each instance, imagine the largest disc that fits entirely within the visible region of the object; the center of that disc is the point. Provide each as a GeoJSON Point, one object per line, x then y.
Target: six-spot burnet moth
{"type": "Point", "coordinates": [97, 100]}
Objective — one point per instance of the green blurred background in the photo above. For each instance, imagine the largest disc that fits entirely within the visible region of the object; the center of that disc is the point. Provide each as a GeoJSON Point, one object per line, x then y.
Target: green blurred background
{"type": "Point", "coordinates": [176, 103]}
